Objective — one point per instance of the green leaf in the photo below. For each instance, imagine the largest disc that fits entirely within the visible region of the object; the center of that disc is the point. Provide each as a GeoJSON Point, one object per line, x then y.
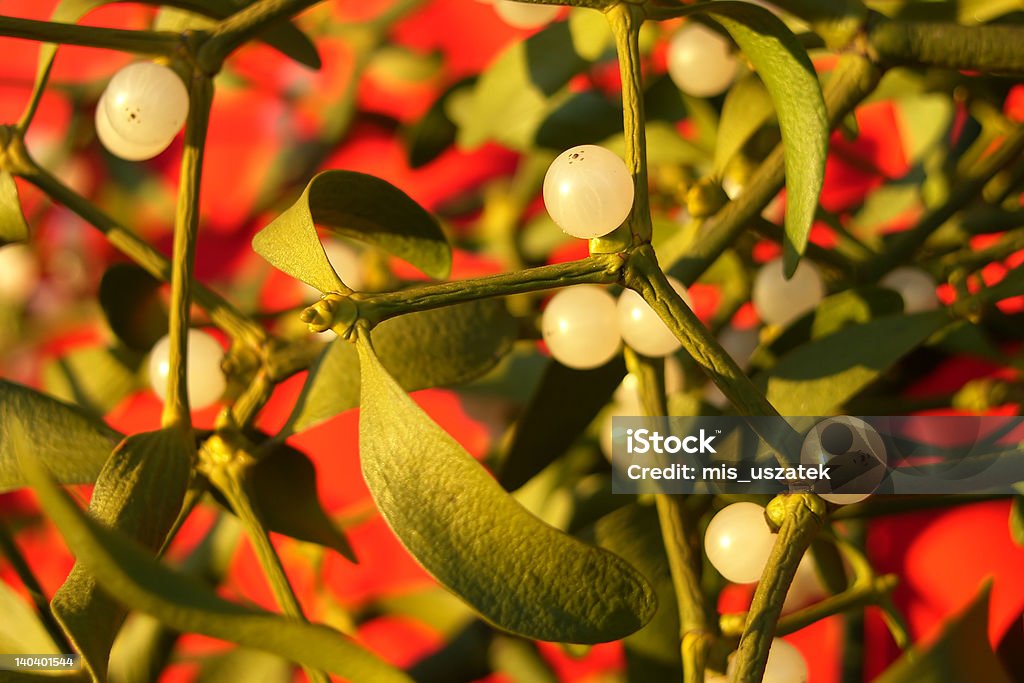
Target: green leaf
{"type": "Point", "coordinates": [434, 132]}
{"type": "Point", "coordinates": [251, 666]}
{"type": "Point", "coordinates": [1017, 520]}
{"type": "Point", "coordinates": [440, 347]}
{"type": "Point", "coordinates": [787, 73]}
{"type": "Point", "coordinates": [563, 404]}
{"type": "Point", "coordinates": [139, 492]}
{"type": "Point", "coordinates": [282, 486]}
{"type": "Point", "coordinates": [73, 444]}
{"type": "Point", "coordinates": [517, 572]}
{"type": "Point", "coordinates": [13, 227]}
{"type": "Point", "coordinates": [633, 531]}
{"type": "Point", "coordinates": [517, 91]}
{"type": "Point", "coordinates": [130, 299]}
{"type": "Point", "coordinates": [358, 206]}
{"type": "Point", "coordinates": [961, 654]}
{"type": "Point", "coordinates": [96, 379]}
{"type": "Point", "coordinates": [818, 378]}
{"type": "Point", "coordinates": [21, 631]}
{"type": "Point", "coordinates": [188, 605]}
{"type": "Point", "coordinates": [747, 107]}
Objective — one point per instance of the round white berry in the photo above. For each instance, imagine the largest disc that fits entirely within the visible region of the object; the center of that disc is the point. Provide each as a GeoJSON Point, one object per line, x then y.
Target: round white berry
{"type": "Point", "coordinates": [525, 14]}
{"type": "Point", "coordinates": [738, 542]}
{"type": "Point", "coordinates": [700, 61]}
{"type": "Point", "coordinates": [785, 664]}
{"type": "Point", "coordinates": [641, 327]}
{"type": "Point", "coordinates": [119, 146]}
{"type": "Point", "coordinates": [588, 191]}
{"type": "Point", "coordinates": [19, 273]}
{"type": "Point", "coordinates": [146, 103]}
{"type": "Point", "coordinates": [779, 301]}
{"type": "Point", "coordinates": [580, 327]}
{"type": "Point", "coordinates": [206, 381]}
{"type": "Point", "coordinates": [915, 286]}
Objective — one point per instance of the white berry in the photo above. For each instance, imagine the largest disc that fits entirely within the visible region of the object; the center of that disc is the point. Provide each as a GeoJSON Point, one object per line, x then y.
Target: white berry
{"type": "Point", "coordinates": [779, 301]}
{"type": "Point", "coordinates": [19, 273]}
{"type": "Point", "coordinates": [525, 14]}
{"type": "Point", "coordinates": [700, 61]}
{"type": "Point", "coordinates": [806, 587]}
{"type": "Point", "coordinates": [119, 146]}
{"type": "Point", "coordinates": [738, 542]}
{"type": "Point", "coordinates": [206, 381]}
{"type": "Point", "coordinates": [146, 103]}
{"type": "Point", "coordinates": [785, 664]}
{"type": "Point", "coordinates": [641, 327]}
{"type": "Point", "coordinates": [588, 191]}
{"type": "Point", "coordinates": [915, 286]}
{"type": "Point", "coordinates": [580, 327]}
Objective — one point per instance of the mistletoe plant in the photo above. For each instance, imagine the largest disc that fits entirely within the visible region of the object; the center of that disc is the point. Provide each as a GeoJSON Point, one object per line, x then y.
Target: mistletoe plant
{"type": "Point", "coordinates": [632, 569]}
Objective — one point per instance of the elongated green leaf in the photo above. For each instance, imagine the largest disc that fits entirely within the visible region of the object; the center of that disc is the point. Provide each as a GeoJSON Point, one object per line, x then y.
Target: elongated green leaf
{"type": "Point", "coordinates": [441, 347]}
{"type": "Point", "coordinates": [787, 72]}
{"type": "Point", "coordinates": [283, 489]}
{"type": "Point", "coordinates": [1017, 520]}
{"type": "Point", "coordinates": [13, 227]}
{"type": "Point", "coordinates": [961, 654]}
{"type": "Point", "coordinates": [818, 378]}
{"type": "Point", "coordinates": [126, 570]}
{"type": "Point", "coordinates": [251, 666]}
{"type": "Point", "coordinates": [747, 107]}
{"type": "Point", "coordinates": [139, 492]}
{"type": "Point", "coordinates": [517, 91]}
{"type": "Point", "coordinates": [130, 299]}
{"type": "Point", "coordinates": [564, 403]}
{"type": "Point", "coordinates": [478, 541]}
{"type": "Point", "coordinates": [361, 207]}
{"type": "Point", "coordinates": [21, 631]}
{"type": "Point", "coordinates": [73, 444]}
{"type": "Point", "coordinates": [96, 379]}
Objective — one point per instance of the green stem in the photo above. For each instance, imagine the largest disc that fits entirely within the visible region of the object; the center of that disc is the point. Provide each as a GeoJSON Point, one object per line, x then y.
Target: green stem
{"type": "Point", "coordinates": [853, 79]}
{"type": "Point", "coordinates": [9, 549]}
{"type": "Point", "coordinates": [596, 269]}
{"type": "Point", "coordinates": [625, 20]}
{"type": "Point", "coordinates": [186, 228]}
{"type": "Point", "coordinates": [988, 48]}
{"type": "Point", "coordinates": [255, 396]}
{"type": "Point", "coordinates": [222, 313]}
{"type": "Point", "coordinates": [230, 482]}
{"type": "Point", "coordinates": [242, 26]}
{"type": "Point", "coordinates": [798, 517]}
{"type": "Point", "coordinates": [856, 597]}
{"type": "Point", "coordinates": [141, 42]}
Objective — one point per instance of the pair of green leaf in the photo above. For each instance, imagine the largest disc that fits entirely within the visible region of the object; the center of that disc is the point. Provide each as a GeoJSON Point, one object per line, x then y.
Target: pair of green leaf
{"type": "Point", "coordinates": [358, 206]}
{"type": "Point", "coordinates": [454, 518]}
{"type": "Point", "coordinates": [185, 604]}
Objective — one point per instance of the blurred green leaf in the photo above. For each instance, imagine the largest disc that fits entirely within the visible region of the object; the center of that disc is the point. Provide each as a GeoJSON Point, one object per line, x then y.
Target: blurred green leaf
{"type": "Point", "coordinates": [518, 89]}
{"type": "Point", "coordinates": [818, 378]}
{"type": "Point", "coordinates": [130, 299]}
{"type": "Point", "coordinates": [789, 76]}
{"type": "Point", "coordinates": [439, 347]}
{"type": "Point", "coordinates": [1017, 520]}
{"type": "Point", "coordinates": [283, 490]}
{"type": "Point", "coordinates": [961, 654]}
{"type": "Point", "coordinates": [455, 519]}
{"type": "Point", "coordinates": [139, 492]}
{"type": "Point", "coordinates": [563, 404]}
{"type": "Point", "coordinates": [97, 379]}
{"type": "Point", "coordinates": [186, 604]}
{"type": "Point", "coordinates": [828, 564]}
{"type": "Point", "coordinates": [21, 631]}
{"type": "Point", "coordinates": [884, 205]}
{"type": "Point", "coordinates": [397, 66]}
{"type": "Point", "coordinates": [519, 661]}
{"type": "Point", "coordinates": [251, 666]}
{"type": "Point", "coordinates": [13, 227]}
{"type": "Point", "coordinates": [73, 444]}
{"type": "Point", "coordinates": [747, 107]}
{"type": "Point", "coordinates": [434, 132]}
{"type": "Point", "coordinates": [435, 607]}
{"type": "Point", "coordinates": [924, 121]}
{"type": "Point", "coordinates": [360, 207]}
{"type": "Point", "coordinates": [633, 531]}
